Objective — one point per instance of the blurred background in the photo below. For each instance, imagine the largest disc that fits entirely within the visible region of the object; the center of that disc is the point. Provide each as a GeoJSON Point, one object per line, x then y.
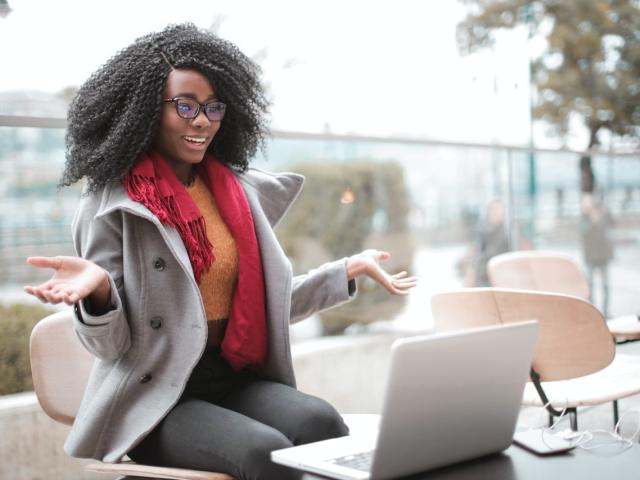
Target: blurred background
{"type": "Point", "coordinates": [444, 132]}
{"type": "Point", "coordinates": [411, 123]}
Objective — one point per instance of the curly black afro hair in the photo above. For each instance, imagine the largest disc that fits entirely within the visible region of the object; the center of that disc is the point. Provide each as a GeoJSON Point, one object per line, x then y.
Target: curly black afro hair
{"type": "Point", "coordinates": [116, 113]}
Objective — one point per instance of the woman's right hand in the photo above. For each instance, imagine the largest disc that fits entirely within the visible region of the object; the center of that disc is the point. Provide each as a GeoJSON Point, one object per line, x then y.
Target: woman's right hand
{"type": "Point", "coordinates": [74, 279]}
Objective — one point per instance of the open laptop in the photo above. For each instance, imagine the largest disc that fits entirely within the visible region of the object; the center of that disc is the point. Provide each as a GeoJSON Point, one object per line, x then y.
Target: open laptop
{"type": "Point", "coordinates": [449, 397]}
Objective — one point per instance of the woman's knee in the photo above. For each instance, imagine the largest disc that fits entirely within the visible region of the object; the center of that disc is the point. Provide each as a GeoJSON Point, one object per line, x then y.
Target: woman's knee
{"type": "Point", "coordinates": [322, 421]}
{"type": "Point", "coordinates": [263, 443]}
{"type": "Point", "coordinates": [256, 457]}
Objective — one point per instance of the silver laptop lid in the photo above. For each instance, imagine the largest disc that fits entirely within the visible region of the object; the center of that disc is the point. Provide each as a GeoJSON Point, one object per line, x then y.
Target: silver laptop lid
{"type": "Point", "coordinates": [452, 397]}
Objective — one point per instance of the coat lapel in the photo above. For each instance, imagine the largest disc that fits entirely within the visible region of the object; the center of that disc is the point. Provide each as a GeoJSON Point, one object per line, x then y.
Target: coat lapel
{"type": "Point", "coordinates": [272, 193]}
{"type": "Point", "coordinates": [116, 198]}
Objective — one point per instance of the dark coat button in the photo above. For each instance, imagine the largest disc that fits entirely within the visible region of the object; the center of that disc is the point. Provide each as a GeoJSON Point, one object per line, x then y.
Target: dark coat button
{"type": "Point", "coordinates": [155, 322]}
{"type": "Point", "coordinates": [145, 378]}
{"type": "Point", "coordinates": [159, 263]}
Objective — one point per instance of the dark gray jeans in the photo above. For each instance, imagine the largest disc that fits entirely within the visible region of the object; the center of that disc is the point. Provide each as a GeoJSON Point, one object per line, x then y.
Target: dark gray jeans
{"type": "Point", "coordinates": [230, 422]}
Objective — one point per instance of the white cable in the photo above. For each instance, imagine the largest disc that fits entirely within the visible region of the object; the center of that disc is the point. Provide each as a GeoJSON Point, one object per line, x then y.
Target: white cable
{"type": "Point", "coordinates": [615, 438]}
{"type": "Point", "coordinates": [636, 433]}
{"type": "Point", "coordinates": [575, 438]}
{"type": "Point", "coordinates": [583, 439]}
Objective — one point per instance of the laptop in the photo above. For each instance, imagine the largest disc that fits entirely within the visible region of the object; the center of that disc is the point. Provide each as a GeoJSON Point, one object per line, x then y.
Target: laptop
{"type": "Point", "coordinates": [449, 397]}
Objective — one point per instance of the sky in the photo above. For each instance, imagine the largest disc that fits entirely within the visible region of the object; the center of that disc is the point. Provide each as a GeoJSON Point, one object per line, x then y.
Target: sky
{"type": "Point", "coordinates": [351, 66]}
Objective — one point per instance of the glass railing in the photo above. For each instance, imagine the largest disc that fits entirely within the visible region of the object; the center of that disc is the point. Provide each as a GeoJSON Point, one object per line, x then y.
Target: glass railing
{"type": "Point", "coordinates": [427, 202]}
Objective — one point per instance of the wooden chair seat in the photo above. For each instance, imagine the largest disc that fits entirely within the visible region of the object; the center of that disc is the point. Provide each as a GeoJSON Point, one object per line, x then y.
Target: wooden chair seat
{"type": "Point", "coordinates": [132, 469]}
{"type": "Point", "coordinates": [625, 328]}
{"type": "Point", "coordinates": [618, 380]}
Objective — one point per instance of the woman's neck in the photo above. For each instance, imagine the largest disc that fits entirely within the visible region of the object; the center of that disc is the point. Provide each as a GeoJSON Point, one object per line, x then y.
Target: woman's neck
{"type": "Point", "coordinates": [185, 172]}
{"type": "Point", "coordinates": [190, 179]}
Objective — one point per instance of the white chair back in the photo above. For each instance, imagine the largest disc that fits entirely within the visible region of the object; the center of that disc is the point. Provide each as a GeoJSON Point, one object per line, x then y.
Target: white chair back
{"type": "Point", "coordinates": [60, 366]}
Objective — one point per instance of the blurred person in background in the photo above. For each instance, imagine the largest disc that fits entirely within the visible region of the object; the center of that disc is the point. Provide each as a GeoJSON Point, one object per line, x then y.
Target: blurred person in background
{"type": "Point", "coordinates": [490, 238]}
{"type": "Point", "coordinates": [597, 247]}
{"type": "Point", "coordinates": [180, 288]}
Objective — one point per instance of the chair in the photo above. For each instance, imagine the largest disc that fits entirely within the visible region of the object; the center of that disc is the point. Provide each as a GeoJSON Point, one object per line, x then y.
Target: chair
{"type": "Point", "coordinates": [552, 272]}
{"type": "Point", "coordinates": [575, 362]}
{"type": "Point", "coordinates": [60, 368]}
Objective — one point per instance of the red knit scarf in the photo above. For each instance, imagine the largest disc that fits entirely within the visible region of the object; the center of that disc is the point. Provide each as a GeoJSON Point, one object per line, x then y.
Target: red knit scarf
{"type": "Point", "coordinates": [153, 183]}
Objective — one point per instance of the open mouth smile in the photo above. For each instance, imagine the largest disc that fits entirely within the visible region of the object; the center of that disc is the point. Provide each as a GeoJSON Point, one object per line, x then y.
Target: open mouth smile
{"type": "Point", "coordinates": [196, 140]}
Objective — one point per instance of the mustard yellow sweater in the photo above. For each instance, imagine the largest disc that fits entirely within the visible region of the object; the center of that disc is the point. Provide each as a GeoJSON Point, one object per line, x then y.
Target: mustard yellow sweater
{"type": "Point", "coordinates": [218, 284]}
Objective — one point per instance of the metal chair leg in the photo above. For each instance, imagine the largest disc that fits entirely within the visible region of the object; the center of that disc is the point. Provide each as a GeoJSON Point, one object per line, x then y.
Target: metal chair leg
{"type": "Point", "coordinates": [573, 419]}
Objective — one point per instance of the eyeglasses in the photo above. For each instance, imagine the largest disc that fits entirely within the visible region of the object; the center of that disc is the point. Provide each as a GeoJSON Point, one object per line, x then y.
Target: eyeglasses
{"type": "Point", "coordinates": [189, 108]}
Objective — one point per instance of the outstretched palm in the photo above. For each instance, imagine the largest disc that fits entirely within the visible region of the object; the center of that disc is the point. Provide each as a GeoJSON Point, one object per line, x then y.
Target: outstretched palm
{"type": "Point", "coordinates": [368, 263]}
{"type": "Point", "coordinates": [73, 280]}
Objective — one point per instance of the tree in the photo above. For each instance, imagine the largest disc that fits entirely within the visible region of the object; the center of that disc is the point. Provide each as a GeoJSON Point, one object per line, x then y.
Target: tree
{"type": "Point", "coordinates": [590, 68]}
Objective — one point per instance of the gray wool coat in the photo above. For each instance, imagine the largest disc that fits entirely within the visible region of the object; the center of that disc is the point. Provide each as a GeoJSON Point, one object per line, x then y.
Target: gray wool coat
{"type": "Point", "coordinates": [147, 346]}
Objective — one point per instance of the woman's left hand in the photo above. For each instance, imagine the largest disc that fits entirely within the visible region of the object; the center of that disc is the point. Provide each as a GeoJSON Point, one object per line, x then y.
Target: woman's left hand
{"type": "Point", "coordinates": [368, 263]}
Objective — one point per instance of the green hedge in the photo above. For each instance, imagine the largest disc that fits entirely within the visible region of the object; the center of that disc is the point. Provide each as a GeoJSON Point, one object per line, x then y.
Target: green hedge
{"type": "Point", "coordinates": [16, 323]}
{"type": "Point", "coordinates": [321, 227]}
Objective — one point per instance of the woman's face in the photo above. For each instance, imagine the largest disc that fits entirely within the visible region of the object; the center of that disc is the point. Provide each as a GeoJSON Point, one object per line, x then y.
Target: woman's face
{"type": "Point", "coordinates": [183, 141]}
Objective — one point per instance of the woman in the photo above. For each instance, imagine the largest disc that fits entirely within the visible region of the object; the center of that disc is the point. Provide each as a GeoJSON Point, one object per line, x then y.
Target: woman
{"type": "Point", "coordinates": [597, 246]}
{"type": "Point", "coordinates": [181, 289]}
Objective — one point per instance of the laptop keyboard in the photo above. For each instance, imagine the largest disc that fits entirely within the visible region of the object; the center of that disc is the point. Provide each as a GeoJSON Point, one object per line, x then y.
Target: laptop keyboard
{"type": "Point", "coordinates": [359, 461]}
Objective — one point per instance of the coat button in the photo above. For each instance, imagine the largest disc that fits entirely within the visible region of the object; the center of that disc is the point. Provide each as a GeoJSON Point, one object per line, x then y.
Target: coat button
{"type": "Point", "coordinates": [155, 322]}
{"type": "Point", "coordinates": [145, 378]}
{"type": "Point", "coordinates": [159, 264]}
